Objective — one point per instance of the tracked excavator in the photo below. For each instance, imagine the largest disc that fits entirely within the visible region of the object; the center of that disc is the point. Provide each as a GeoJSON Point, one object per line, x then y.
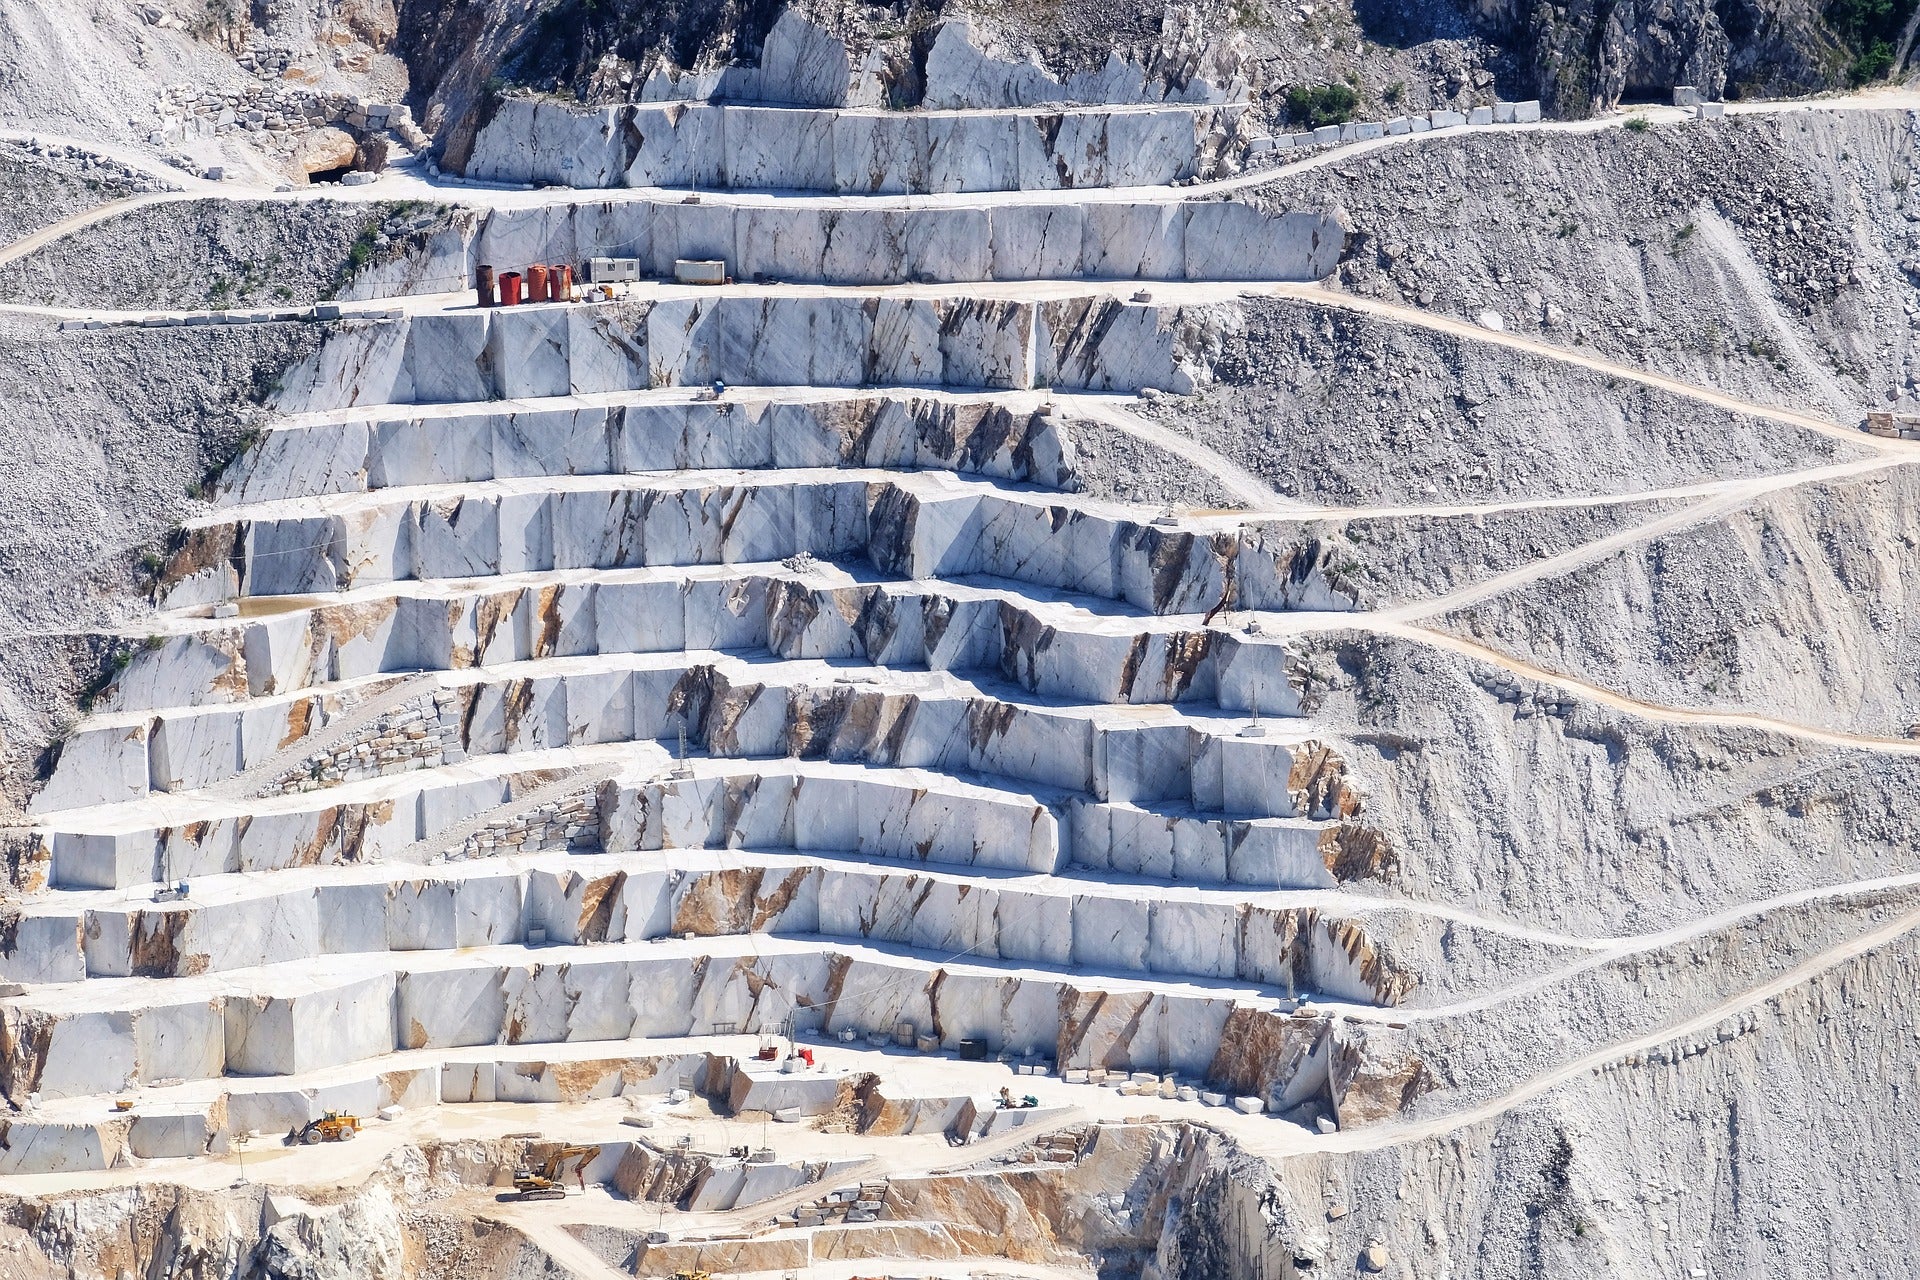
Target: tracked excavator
{"type": "Point", "coordinates": [548, 1181]}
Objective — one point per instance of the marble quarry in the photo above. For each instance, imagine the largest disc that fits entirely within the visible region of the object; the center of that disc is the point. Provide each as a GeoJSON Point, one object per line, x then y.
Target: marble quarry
{"type": "Point", "coordinates": [522, 725]}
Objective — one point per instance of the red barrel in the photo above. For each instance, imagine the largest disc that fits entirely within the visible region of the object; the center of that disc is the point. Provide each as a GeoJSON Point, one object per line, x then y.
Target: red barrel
{"type": "Point", "coordinates": [536, 283]}
{"type": "Point", "coordinates": [560, 280]}
{"type": "Point", "coordinates": [483, 284]}
{"type": "Point", "coordinates": [510, 289]}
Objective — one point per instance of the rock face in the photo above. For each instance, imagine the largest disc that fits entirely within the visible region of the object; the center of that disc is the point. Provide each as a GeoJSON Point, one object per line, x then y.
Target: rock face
{"type": "Point", "coordinates": [1588, 56]}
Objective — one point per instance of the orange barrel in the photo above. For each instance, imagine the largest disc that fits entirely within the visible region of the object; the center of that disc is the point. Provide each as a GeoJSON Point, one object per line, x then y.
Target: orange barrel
{"type": "Point", "coordinates": [536, 283]}
{"type": "Point", "coordinates": [562, 282]}
{"type": "Point", "coordinates": [510, 289]}
{"type": "Point", "coordinates": [483, 284]}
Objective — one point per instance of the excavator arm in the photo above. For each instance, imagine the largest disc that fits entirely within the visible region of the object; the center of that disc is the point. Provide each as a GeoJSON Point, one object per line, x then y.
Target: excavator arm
{"type": "Point", "coordinates": [545, 1182]}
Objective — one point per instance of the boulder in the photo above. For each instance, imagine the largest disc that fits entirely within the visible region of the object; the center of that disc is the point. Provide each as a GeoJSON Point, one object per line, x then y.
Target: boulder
{"type": "Point", "coordinates": [326, 149]}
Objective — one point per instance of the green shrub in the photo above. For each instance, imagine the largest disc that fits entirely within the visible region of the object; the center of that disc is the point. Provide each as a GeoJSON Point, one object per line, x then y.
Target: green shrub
{"type": "Point", "coordinates": [1869, 28]}
{"type": "Point", "coordinates": [1873, 64]}
{"type": "Point", "coordinates": [1319, 105]}
{"type": "Point", "coordinates": [1638, 124]}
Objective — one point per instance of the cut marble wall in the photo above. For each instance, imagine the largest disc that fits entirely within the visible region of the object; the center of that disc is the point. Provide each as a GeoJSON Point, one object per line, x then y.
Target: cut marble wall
{"type": "Point", "coordinates": [1185, 240]}
{"type": "Point", "coordinates": [1092, 343]}
{"type": "Point", "coordinates": [764, 148]}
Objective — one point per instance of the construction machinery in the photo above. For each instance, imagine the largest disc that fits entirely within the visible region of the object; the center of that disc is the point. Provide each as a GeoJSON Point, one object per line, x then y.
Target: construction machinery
{"type": "Point", "coordinates": [335, 1126]}
{"type": "Point", "coordinates": [692, 1275]}
{"type": "Point", "coordinates": [547, 1182]}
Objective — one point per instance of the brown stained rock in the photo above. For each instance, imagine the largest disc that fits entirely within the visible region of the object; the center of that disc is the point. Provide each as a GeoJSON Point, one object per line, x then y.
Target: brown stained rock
{"type": "Point", "coordinates": [1186, 652]}
{"type": "Point", "coordinates": [773, 901]}
{"type": "Point", "coordinates": [693, 696]}
{"type": "Point", "coordinates": [936, 1023]}
{"type": "Point", "coordinates": [547, 610]}
{"type": "Point", "coordinates": [791, 609]}
{"type": "Point", "coordinates": [232, 682]}
{"type": "Point", "coordinates": [597, 899]}
{"type": "Point", "coordinates": [516, 700]}
{"type": "Point", "coordinates": [1023, 638]}
{"type": "Point", "coordinates": [882, 1115]}
{"type": "Point", "coordinates": [488, 613]}
{"type": "Point", "coordinates": [154, 947]}
{"type": "Point", "coordinates": [848, 1112]}
{"type": "Point", "coordinates": [326, 149]}
{"type": "Point", "coordinates": [26, 1037]}
{"type": "Point", "coordinates": [29, 858]}
{"type": "Point", "coordinates": [577, 1081]}
{"type": "Point", "coordinates": [193, 833]}
{"type": "Point", "coordinates": [299, 721]}
{"type": "Point", "coordinates": [839, 723]}
{"type": "Point", "coordinates": [355, 821]}
{"type": "Point", "coordinates": [717, 903]}
{"type": "Point", "coordinates": [720, 727]}
{"type": "Point", "coordinates": [1318, 783]}
{"type": "Point", "coordinates": [1353, 852]}
{"type": "Point", "coordinates": [1390, 981]}
{"type": "Point", "coordinates": [929, 1240]}
{"type": "Point", "coordinates": [393, 1085]}
{"type": "Point", "coordinates": [1370, 1082]}
{"type": "Point", "coordinates": [648, 1173]}
{"type": "Point", "coordinates": [1032, 1216]}
{"type": "Point", "coordinates": [345, 623]}
{"type": "Point", "coordinates": [726, 1257]}
{"type": "Point", "coordinates": [837, 967]}
{"type": "Point", "coordinates": [1260, 1049]}
{"type": "Point", "coordinates": [309, 854]}
{"type": "Point", "coordinates": [201, 549]}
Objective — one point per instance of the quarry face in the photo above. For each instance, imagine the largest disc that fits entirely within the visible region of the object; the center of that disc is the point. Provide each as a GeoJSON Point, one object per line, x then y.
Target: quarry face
{"type": "Point", "coordinates": [955, 641]}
